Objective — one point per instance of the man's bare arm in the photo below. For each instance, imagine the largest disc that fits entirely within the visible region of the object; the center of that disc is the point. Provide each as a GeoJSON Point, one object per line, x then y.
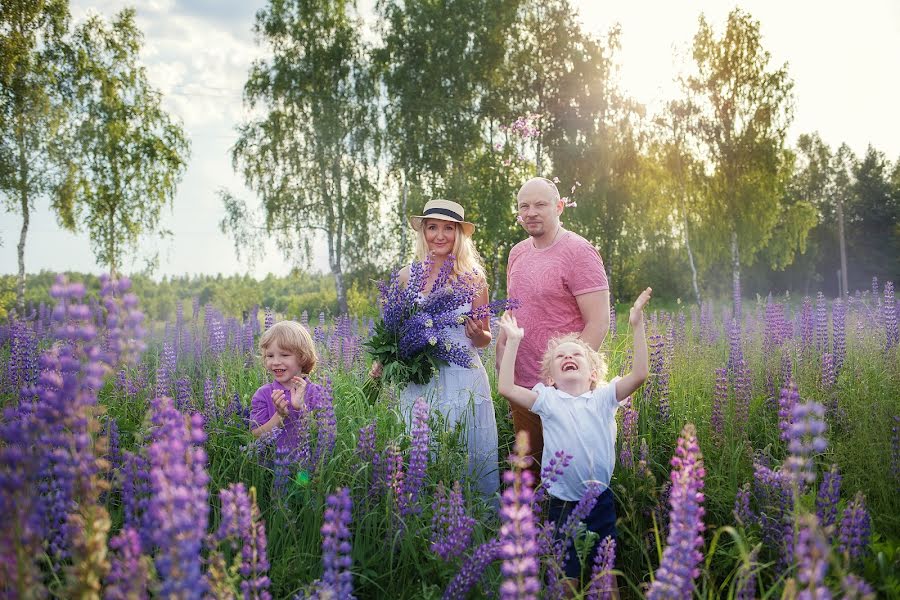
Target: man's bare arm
{"type": "Point", "coordinates": [594, 307]}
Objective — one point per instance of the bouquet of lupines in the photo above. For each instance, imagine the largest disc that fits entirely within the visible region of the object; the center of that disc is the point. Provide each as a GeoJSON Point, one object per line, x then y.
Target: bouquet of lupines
{"type": "Point", "coordinates": [412, 339]}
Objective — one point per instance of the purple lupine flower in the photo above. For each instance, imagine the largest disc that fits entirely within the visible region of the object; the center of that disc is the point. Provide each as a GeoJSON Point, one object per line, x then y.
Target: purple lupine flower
{"type": "Point", "coordinates": [811, 552]}
{"type": "Point", "coordinates": [629, 434]}
{"type": "Point", "coordinates": [551, 473]}
{"type": "Point", "coordinates": [805, 439]}
{"type": "Point", "coordinates": [895, 448]}
{"type": "Point", "coordinates": [708, 333]}
{"type": "Point", "coordinates": [240, 527]}
{"type": "Point", "coordinates": [775, 498]}
{"type": "Point", "coordinates": [827, 371]}
{"type": "Point", "coordinates": [681, 558]}
{"type": "Point", "coordinates": [269, 319]}
{"type": "Point", "coordinates": [564, 544]}
{"type": "Point", "coordinates": [643, 468]}
{"type": "Point", "coordinates": [336, 575]}
{"type": "Point", "coordinates": [743, 514]}
{"type": "Point", "coordinates": [828, 496]}
{"type": "Point", "coordinates": [518, 547]}
{"type": "Point", "coordinates": [166, 370]}
{"type": "Point", "coordinates": [472, 570]}
{"type": "Point", "coordinates": [838, 334]}
{"type": "Point", "coordinates": [787, 369]}
{"type": "Point", "coordinates": [742, 394]}
{"type": "Point", "coordinates": [365, 444]}
{"type": "Point", "coordinates": [789, 397]}
{"type": "Point", "coordinates": [735, 351]}
{"type": "Point", "coordinates": [612, 320]}
{"type": "Point", "coordinates": [209, 400]}
{"type": "Point", "coordinates": [320, 401]}
{"type": "Point", "coordinates": [855, 528]}
{"type": "Point", "coordinates": [136, 495]}
{"type": "Point", "coordinates": [720, 400]}
{"type": "Point", "coordinates": [182, 393]}
{"type": "Point", "coordinates": [746, 579]}
{"type": "Point", "coordinates": [855, 588]}
{"type": "Point", "coordinates": [113, 453]}
{"type": "Point", "coordinates": [179, 507]}
{"type": "Point", "coordinates": [391, 473]}
{"type": "Point", "coordinates": [806, 324]}
{"type": "Point", "coordinates": [450, 526]}
{"type": "Point", "coordinates": [603, 582]}
{"type": "Point", "coordinates": [418, 460]}
{"type": "Point", "coordinates": [128, 574]}
{"type": "Point", "coordinates": [889, 310]}
{"type": "Point", "coordinates": [821, 323]}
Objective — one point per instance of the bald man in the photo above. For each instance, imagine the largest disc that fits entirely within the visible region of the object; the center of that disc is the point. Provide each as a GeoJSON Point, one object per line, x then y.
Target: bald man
{"type": "Point", "coordinates": [559, 278]}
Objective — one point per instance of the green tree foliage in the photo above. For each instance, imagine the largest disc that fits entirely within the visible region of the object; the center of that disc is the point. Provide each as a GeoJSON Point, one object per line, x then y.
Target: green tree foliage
{"type": "Point", "coordinates": [34, 107]}
{"type": "Point", "coordinates": [439, 75]}
{"type": "Point", "coordinates": [743, 109]}
{"type": "Point", "coordinates": [129, 153]}
{"type": "Point", "coordinates": [312, 156]}
{"type": "Point", "coordinates": [873, 220]}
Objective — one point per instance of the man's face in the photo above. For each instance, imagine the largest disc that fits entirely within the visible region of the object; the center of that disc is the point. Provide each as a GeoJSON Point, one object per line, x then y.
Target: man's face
{"type": "Point", "coordinates": [539, 209]}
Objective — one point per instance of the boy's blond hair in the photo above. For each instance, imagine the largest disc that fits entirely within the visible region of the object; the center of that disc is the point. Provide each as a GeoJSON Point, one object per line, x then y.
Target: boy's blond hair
{"type": "Point", "coordinates": [292, 336]}
{"type": "Point", "coordinates": [594, 359]}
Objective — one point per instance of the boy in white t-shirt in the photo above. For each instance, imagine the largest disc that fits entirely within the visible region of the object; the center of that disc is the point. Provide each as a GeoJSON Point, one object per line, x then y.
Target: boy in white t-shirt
{"type": "Point", "coordinates": [578, 414]}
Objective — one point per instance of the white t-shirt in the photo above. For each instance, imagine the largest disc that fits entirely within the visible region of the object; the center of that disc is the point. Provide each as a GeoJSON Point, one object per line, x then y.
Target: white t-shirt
{"type": "Point", "coordinates": [583, 426]}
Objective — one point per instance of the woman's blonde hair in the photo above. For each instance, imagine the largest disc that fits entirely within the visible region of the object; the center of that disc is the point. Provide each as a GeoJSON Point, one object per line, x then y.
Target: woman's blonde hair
{"type": "Point", "coordinates": [467, 258]}
{"type": "Point", "coordinates": [291, 336]}
{"type": "Point", "coordinates": [594, 358]}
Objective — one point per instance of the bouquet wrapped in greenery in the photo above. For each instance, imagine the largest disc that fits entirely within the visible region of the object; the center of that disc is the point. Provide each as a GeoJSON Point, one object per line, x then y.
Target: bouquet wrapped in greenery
{"type": "Point", "coordinates": [411, 339]}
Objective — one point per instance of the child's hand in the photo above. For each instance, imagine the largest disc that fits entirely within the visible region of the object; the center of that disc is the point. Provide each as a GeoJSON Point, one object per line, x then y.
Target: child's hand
{"type": "Point", "coordinates": [511, 328]}
{"type": "Point", "coordinates": [298, 391]}
{"type": "Point", "coordinates": [636, 316]}
{"type": "Point", "coordinates": [375, 371]}
{"type": "Point", "coordinates": [281, 403]}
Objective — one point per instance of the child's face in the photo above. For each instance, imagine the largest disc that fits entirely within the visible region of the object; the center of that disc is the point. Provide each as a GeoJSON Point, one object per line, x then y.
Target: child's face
{"type": "Point", "coordinates": [571, 365]}
{"type": "Point", "coordinates": [281, 363]}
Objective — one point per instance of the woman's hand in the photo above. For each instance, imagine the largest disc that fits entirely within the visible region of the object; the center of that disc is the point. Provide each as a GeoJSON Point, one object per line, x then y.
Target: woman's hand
{"type": "Point", "coordinates": [375, 371]}
{"type": "Point", "coordinates": [281, 403]}
{"type": "Point", "coordinates": [473, 329]}
{"type": "Point", "coordinates": [636, 315]}
{"type": "Point", "coordinates": [510, 328]}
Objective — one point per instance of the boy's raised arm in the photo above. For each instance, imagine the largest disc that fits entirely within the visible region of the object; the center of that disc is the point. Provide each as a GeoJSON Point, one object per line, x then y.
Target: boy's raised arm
{"type": "Point", "coordinates": [506, 384]}
{"type": "Point", "coordinates": [639, 369]}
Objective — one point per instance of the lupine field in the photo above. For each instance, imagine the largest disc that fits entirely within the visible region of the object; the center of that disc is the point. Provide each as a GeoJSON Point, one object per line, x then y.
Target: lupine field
{"type": "Point", "coordinates": [760, 460]}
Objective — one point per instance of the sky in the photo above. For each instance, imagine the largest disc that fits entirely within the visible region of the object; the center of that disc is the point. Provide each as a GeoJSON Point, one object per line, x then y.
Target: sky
{"type": "Point", "coordinates": [842, 57]}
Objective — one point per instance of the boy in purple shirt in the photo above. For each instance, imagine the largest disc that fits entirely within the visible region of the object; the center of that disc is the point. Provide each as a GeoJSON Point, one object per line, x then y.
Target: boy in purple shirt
{"type": "Point", "coordinates": [289, 354]}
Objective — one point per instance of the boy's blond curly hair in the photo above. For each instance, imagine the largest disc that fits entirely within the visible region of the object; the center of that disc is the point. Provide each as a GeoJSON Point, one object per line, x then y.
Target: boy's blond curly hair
{"type": "Point", "coordinates": [291, 335]}
{"type": "Point", "coordinates": [594, 358]}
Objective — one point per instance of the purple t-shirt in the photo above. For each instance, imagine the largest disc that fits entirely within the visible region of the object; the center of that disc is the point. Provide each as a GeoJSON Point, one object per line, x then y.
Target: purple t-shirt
{"type": "Point", "coordinates": [262, 408]}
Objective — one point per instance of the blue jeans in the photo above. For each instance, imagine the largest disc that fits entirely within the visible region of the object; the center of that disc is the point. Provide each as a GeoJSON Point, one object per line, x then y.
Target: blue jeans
{"type": "Point", "coordinates": [601, 520]}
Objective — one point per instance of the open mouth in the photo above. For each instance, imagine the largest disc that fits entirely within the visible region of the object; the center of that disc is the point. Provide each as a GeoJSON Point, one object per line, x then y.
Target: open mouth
{"type": "Point", "coordinates": [279, 372]}
{"type": "Point", "coordinates": [569, 366]}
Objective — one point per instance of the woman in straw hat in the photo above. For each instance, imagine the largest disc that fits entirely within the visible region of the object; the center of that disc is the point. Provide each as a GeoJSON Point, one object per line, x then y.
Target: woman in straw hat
{"type": "Point", "coordinates": [461, 394]}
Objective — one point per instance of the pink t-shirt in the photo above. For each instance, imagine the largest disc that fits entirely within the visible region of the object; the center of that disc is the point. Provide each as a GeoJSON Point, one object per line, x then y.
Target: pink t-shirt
{"type": "Point", "coordinates": [546, 282]}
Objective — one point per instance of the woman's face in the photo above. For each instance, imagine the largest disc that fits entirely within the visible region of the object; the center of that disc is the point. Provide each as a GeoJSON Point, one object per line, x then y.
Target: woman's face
{"type": "Point", "coordinates": [440, 236]}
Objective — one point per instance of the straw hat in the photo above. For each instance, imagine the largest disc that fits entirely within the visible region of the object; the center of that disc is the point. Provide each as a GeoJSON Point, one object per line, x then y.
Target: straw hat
{"type": "Point", "coordinates": [443, 210]}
